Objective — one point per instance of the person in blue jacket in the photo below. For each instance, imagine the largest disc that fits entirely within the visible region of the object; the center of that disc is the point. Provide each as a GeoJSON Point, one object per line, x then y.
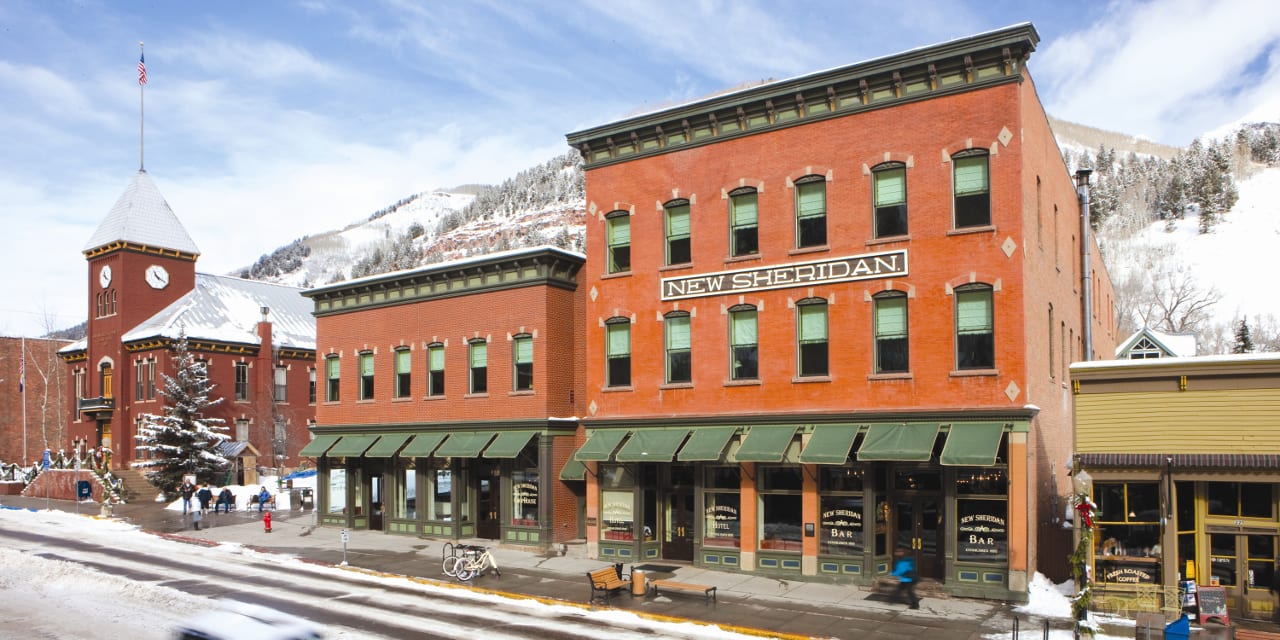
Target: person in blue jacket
{"type": "Point", "coordinates": [263, 497]}
{"type": "Point", "coordinates": [905, 570]}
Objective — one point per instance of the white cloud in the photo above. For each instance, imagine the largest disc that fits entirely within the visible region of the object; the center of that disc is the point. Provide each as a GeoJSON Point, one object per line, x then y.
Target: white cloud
{"type": "Point", "coordinates": [1167, 70]}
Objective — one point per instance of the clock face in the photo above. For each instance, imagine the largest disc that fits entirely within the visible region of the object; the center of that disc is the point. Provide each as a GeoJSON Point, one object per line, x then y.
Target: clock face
{"type": "Point", "coordinates": [104, 276]}
{"type": "Point", "coordinates": [157, 277]}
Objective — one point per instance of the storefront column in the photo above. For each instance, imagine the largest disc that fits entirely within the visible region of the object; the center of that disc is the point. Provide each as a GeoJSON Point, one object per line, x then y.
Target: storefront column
{"type": "Point", "coordinates": [1019, 544]}
{"type": "Point", "coordinates": [749, 534]}
{"type": "Point", "coordinates": [593, 509]}
{"type": "Point", "coordinates": [809, 521]}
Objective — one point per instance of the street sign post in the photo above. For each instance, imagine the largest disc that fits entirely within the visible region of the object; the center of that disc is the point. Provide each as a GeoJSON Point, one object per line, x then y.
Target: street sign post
{"type": "Point", "coordinates": [345, 538]}
{"type": "Point", "coordinates": [45, 463]}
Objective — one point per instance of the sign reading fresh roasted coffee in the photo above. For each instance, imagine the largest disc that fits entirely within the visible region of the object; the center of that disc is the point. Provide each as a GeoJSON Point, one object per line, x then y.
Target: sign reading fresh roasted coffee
{"type": "Point", "coordinates": [867, 266]}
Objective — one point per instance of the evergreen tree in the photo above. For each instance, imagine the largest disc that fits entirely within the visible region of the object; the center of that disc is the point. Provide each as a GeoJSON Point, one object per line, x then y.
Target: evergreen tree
{"type": "Point", "coordinates": [1244, 342]}
{"type": "Point", "coordinates": [184, 440]}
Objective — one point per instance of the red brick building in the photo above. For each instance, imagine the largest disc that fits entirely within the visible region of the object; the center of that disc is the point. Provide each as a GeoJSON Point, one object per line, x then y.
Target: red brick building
{"type": "Point", "coordinates": [257, 340]}
{"type": "Point", "coordinates": [830, 317]}
{"type": "Point", "coordinates": [42, 399]}
{"type": "Point", "coordinates": [448, 397]}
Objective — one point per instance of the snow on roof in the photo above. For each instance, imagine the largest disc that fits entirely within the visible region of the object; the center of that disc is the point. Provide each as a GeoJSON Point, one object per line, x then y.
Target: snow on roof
{"type": "Point", "coordinates": [228, 309]}
{"type": "Point", "coordinates": [142, 216]}
{"type": "Point", "coordinates": [1179, 345]}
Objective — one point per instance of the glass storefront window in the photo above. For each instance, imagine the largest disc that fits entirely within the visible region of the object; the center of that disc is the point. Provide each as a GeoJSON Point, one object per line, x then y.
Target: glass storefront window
{"type": "Point", "coordinates": [441, 488]}
{"type": "Point", "coordinates": [406, 502]}
{"type": "Point", "coordinates": [780, 508]}
{"type": "Point", "coordinates": [337, 490]}
{"type": "Point", "coordinates": [982, 482]}
{"type": "Point", "coordinates": [615, 476]}
{"type": "Point", "coordinates": [841, 532]}
{"type": "Point", "coordinates": [839, 479]}
{"type": "Point", "coordinates": [982, 531]}
{"type": "Point", "coordinates": [1127, 543]}
{"type": "Point", "coordinates": [722, 507]}
{"type": "Point", "coordinates": [617, 515]}
{"type": "Point", "coordinates": [524, 498]}
{"type": "Point", "coordinates": [1240, 499]}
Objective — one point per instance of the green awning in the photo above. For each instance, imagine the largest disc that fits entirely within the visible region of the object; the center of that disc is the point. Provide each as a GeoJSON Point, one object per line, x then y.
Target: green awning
{"type": "Point", "coordinates": [600, 445]}
{"type": "Point", "coordinates": [351, 446]}
{"type": "Point", "coordinates": [830, 444]}
{"type": "Point", "coordinates": [388, 445]}
{"type": "Point", "coordinates": [652, 445]}
{"type": "Point", "coordinates": [466, 444]}
{"type": "Point", "coordinates": [766, 443]}
{"type": "Point", "coordinates": [910, 442]}
{"type": "Point", "coordinates": [423, 445]}
{"type": "Point", "coordinates": [317, 447]}
{"type": "Point", "coordinates": [573, 470]}
{"type": "Point", "coordinates": [509, 444]}
{"type": "Point", "coordinates": [972, 444]}
{"type": "Point", "coordinates": [706, 444]}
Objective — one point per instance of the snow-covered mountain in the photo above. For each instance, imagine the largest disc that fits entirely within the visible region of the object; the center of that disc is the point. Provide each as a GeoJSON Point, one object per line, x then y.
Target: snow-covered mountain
{"type": "Point", "coordinates": [1154, 261]}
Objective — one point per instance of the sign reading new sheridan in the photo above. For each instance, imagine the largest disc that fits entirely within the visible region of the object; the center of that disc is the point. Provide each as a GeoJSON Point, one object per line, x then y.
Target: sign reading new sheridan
{"type": "Point", "coordinates": [862, 267]}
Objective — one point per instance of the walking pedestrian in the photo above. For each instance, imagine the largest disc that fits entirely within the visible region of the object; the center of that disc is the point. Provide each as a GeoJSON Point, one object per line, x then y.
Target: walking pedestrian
{"type": "Point", "coordinates": [195, 518]}
{"type": "Point", "coordinates": [905, 569]}
{"type": "Point", "coordinates": [205, 496]}
{"type": "Point", "coordinates": [187, 490]}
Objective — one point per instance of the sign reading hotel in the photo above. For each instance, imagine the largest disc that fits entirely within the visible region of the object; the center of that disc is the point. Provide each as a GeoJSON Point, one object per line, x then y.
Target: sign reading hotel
{"type": "Point", "coordinates": [867, 266]}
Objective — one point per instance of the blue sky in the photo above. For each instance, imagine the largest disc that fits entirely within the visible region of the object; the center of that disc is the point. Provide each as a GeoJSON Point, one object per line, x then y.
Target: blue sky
{"type": "Point", "coordinates": [266, 121]}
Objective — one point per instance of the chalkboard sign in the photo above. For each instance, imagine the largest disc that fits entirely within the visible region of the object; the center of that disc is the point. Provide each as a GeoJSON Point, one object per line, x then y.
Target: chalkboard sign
{"type": "Point", "coordinates": [1213, 604]}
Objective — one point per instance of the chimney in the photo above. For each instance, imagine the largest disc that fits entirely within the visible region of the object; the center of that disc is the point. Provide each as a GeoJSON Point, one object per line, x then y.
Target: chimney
{"type": "Point", "coordinates": [1086, 275]}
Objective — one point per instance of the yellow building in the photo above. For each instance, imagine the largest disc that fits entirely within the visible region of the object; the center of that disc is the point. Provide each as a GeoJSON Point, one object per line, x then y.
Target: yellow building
{"type": "Point", "coordinates": [1184, 454]}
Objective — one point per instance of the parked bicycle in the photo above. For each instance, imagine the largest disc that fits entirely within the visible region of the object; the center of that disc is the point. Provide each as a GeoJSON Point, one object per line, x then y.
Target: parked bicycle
{"type": "Point", "coordinates": [465, 562]}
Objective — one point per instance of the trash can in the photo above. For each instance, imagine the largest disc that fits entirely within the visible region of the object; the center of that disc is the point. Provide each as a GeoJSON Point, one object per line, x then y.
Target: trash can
{"type": "Point", "coordinates": [639, 584]}
{"type": "Point", "coordinates": [1179, 629]}
{"type": "Point", "coordinates": [295, 499]}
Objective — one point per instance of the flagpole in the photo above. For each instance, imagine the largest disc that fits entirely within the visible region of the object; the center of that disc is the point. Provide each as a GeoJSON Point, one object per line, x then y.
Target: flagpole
{"type": "Point", "coordinates": [142, 109]}
{"type": "Point", "coordinates": [22, 384]}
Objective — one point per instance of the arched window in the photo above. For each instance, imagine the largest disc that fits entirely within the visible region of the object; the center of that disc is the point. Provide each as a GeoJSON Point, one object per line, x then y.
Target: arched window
{"type": "Point", "coordinates": [811, 337]}
{"type": "Point", "coordinates": [619, 241]}
{"type": "Point", "coordinates": [972, 189]}
{"type": "Point", "coordinates": [889, 191]}
{"type": "Point", "coordinates": [522, 362]}
{"type": "Point", "coordinates": [744, 346]}
{"type": "Point", "coordinates": [892, 353]}
{"type": "Point", "coordinates": [811, 212]}
{"type": "Point", "coordinates": [679, 250]}
{"type": "Point", "coordinates": [679, 347]}
{"type": "Point", "coordinates": [975, 328]}
{"type": "Point", "coordinates": [435, 369]}
{"type": "Point", "coordinates": [479, 358]}
{"type": "Point", "coordinates": [617, 352]}
{"type": "Point", "coordinates": [744, 230]}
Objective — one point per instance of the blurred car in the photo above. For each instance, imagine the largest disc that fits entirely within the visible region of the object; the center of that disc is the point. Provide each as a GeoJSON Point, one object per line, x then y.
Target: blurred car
{"type": "Point", "coordinates": [234, 620]}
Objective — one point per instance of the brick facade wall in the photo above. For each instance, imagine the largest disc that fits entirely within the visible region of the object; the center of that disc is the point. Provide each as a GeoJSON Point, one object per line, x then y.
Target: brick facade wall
{"type": "Point", "coordinates": [46, 402]}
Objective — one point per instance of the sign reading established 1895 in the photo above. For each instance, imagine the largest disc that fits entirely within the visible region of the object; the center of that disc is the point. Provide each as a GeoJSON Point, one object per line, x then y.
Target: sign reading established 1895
{"type": "Point", "coordinates": [798, 274]}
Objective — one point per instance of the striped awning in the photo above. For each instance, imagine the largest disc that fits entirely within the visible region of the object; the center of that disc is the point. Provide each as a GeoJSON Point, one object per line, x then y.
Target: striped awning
{"type": "Point", "coordinates": [1182, 460]}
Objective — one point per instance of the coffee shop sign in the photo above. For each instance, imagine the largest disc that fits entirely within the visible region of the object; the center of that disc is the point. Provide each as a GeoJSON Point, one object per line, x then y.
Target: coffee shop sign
{"type": "Point", "coordinates": [848, 269]}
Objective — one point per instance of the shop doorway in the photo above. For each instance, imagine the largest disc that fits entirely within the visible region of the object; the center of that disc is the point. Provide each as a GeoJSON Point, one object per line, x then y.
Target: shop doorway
{"type": "Point", "coordinates": [917, 531]}
{"type": "Point", "coordinates": [677, 534]}
{"type": "Point", "coordinates": [375, 501]}
{"type": "Point", "coordinates": [488, 501]}
{"type": "Point", "coordinates": [1244, 565]}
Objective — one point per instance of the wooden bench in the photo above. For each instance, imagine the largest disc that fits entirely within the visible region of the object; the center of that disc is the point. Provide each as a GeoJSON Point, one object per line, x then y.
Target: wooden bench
{"type": "Point", "coordinates": [671, 585]}
{"type": "Point", "coordinates": [607, 581]}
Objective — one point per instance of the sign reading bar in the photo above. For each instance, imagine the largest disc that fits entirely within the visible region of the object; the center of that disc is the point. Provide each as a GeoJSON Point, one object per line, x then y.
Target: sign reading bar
{"type": "Point", "coordinates": [848, 269]}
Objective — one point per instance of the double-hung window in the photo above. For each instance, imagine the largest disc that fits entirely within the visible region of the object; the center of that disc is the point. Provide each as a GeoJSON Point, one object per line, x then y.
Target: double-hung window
{"type": "Point", "coordinates": [404, 373]}
{"type": "Point", "coordinates": [890, 185]}
{"type": "Point", "coordinates": [242, 381]}
{"type": "Point", "coordinates": [811, 212]}
{"type": "Point", "coordinates": [744, 346]}
{"type": "Point", "coordinates": [435, 370]}
{"type": "Point", "coordinates": [975, 328]}
{"type": "Point", "coordinates": [281, 387]}
{"type": "Point", "coordinates": [677, 222]}
{"type": "Point", "coordinates": [311, 385]}
{"type": "Point", "coordinates": [972, 189]}
{"type": "Point", "coordinates": [479, 366]}
{"type": "Point", "coordinates": [812, 319]}
{"type": "Point", "coordinates": [618, 352]}
{"type": "Point", "coordinates": [891, 333]}
{"type": "Point", "coordinates": [618, 227]}
{"type": "Point", "coordinates": [366, 376]}
{"type": "Point", "coordinates": [679, 348]}
{"type": "Point", "coordinates": [522, 353]}
{"type": "Point", "coordinates": [332, 375]}
{"type": "Point", "coordinates": [744, 230]}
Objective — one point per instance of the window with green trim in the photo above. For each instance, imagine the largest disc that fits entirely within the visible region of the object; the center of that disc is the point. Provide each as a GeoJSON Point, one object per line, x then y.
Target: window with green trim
{"type": "Point", "coordinates": [972, 189]}
{"type": "Point", "coordinates": [619, 239]}
{"type": "Point", "coordinates": [522, 355]}
{"type": "Point", "coordinates": [435, 369]}
{"type": "Point", "coordinates": [892, 354]}
{"type": "Point", "coordinates": [366, 376]}
{"type": "Point", "coordinates": [890, 194]}
{"type": "Point", "coordinates": [332, 374]}
{"type": "Point", "coordinates": [975, 328]}
{"type": "Point", "coordinates": [679, 347]}
{"type": "Point", "coordinates": [811, 316]}
{"type": "Point", "coordinates": [618, 352]}
{"type": "Point", "coordinates": [744, 347]}
{"type": "Point", "coordinates": [744, 231]}
{"type": "Point", "coordinates": [479, 358]}
{"type": "Point", "coordinates": [677, 226]}
{"type": "Point", "coordinates": [811, 212]}
{"type": "Point", "coordinates": [404, 373]}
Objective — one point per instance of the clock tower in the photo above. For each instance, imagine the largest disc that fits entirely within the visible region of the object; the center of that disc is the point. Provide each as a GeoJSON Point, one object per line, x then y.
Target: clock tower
{"type": "Point", "coordinates": [140, 260]}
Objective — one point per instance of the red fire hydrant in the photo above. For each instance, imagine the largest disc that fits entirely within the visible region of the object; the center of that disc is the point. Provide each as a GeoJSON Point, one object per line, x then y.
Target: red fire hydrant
{"type": "Point", "coordinates": [266, 522]}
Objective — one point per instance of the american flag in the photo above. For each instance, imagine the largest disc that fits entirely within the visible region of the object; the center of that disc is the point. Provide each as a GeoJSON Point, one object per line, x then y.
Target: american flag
{"type": "Point", "coordinates": [142, 69]}
{"type": "Point", "coordinates": [22, 369]}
